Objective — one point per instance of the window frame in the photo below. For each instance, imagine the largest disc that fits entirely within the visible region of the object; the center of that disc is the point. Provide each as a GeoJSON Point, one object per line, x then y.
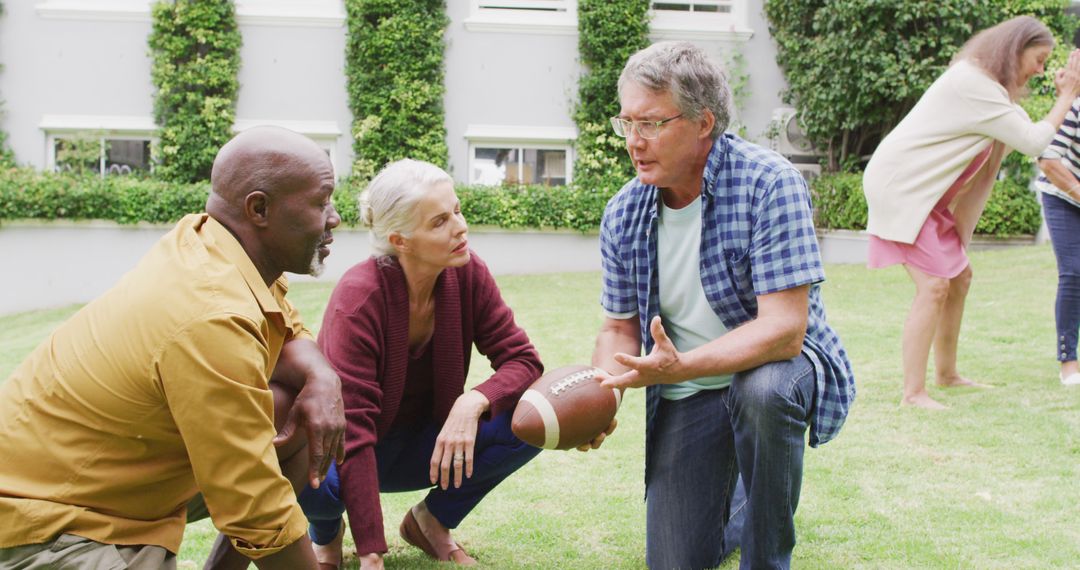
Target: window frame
{"type": "Point", "coordinates": [292, 13]}
{"type": "Point", "coordinates": [326, 134]}
{"type": "Point", "coordinates": [708, 26]}
{"type": "Point", "coordinates": [508, 20]}
{"type": "Point", "coordinates": [521, 137]}
{"type": "Point", "coordinates": [104, 127]}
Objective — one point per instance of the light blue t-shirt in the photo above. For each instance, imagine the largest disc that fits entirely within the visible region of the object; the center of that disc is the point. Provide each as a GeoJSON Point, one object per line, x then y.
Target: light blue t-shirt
{"type": "Point", "coordinates": [688, 319]}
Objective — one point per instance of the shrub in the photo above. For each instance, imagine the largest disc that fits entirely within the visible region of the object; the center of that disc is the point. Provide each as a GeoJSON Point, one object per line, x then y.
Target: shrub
{"type": "Point", "coordinates": [1011, 211]}
{"type": "Point", "coordinates": [195, 46]}
{"type": "Point", "coordinates": [394, 68]}
{"type": "Point", "coordinates": [854, 68]}
{"type": "Point", "coordinates": [609, 32]}
{"type": "Point", "coordinates": [25, 193]}
{"type": "Point", "coordinates": [839, 203]}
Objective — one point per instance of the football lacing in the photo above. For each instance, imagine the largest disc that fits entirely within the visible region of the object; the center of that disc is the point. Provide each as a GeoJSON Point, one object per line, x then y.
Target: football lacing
{"type": "Point", "coordinates": [572, 380]}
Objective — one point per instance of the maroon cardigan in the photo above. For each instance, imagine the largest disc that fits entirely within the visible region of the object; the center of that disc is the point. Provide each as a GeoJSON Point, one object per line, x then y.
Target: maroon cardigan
{"type": "Point", "coordinates": [365, 335]}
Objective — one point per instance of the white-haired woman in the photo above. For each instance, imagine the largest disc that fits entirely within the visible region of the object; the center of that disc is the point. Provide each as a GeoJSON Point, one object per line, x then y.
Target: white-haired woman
{"type": "Point", "coordinates": [929, 180]}
{"type": "Point", "coordinates": [399, 328]}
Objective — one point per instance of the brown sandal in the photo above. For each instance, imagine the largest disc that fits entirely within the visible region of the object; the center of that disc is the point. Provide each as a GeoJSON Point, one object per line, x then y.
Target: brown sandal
{"type": "Point", "coordinates": [410, 532]}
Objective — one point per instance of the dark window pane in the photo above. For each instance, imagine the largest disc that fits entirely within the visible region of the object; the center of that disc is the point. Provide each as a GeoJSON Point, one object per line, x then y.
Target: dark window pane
{"type": "Point", "coordinates": [127, 156]}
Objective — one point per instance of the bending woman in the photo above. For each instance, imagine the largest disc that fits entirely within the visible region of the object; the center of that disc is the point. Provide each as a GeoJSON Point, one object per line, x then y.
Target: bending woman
{"type": "Point", "coordinates": [929, 179]}
{"type": "Point", "coordinates": [399, 328]}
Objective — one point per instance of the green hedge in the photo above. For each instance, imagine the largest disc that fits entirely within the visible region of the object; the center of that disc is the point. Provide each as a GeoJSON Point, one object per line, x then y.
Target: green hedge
{"type": "Point", "coordinates": [25, 193]}
{"type": "Point", "coordinates": [839, 204]}
{"type": "Point", "coordinates": [124, 199]}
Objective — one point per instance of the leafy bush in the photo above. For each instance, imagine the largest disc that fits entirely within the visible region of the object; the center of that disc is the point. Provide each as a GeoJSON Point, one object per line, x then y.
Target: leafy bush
{"type": "Point", "coordinates": [537, 207]}
{"type": "Point", "coordinates": [1011, 211]}
{"type": "Point", "coordinates": [609, 32]}
{"type": "Point", "coordinates": [855, 67]}
{"type": "Point", "coordinates": [839, 203]}
{"type": "Point", "coordinates": [25, 193]}
{"type": "Point", "coordinates": [394, 67]}
{"type": "Point", "coordinates": [195, 46]}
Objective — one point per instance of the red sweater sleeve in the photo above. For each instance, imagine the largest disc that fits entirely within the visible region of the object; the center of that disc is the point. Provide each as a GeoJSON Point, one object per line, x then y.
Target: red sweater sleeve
{"type": "Point", "coordinates": [502, 341]}
{"type": "Point", "coordinates": [350, 338]}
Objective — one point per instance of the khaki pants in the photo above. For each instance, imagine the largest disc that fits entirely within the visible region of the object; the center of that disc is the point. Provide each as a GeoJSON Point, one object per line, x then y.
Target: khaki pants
{"type": "Point", "coordinates": [68, 551]}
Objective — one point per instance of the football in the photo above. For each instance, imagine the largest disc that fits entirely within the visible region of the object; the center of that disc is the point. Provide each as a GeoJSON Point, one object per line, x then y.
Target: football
{"type": "Point", "coordinates": [564, 408]}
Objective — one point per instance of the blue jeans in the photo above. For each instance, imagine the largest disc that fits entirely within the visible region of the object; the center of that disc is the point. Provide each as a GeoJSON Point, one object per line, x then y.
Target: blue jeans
{"type": "Point", "coordinates": [1063, 221]}
{"type": "Point", "coordinates": [403, 459]}
{"type": "Point", "coordinates": [702, 444]}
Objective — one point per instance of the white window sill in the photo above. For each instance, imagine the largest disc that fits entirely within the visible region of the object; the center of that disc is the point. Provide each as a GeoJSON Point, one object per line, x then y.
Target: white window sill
{"type": "Point", "coordinates": [560, 23]}
{"type": "Point", "coordinates": [311, 129]}
{"type": "Point", "coordinates": [286, 13]}
{"type": "Point", "coordinates": [701, 27]}
{"type": "Point", "coordinates": [520, 134]}
{"type": "Point", "coordinates": [113, 124]}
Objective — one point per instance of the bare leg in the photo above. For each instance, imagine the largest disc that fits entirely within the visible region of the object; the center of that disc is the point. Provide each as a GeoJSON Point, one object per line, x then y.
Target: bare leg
{"type": "Point", "coordinates": [919, 331]}
{"type": "Point", "coordinates": [947, 339]}
{"type": "Point", "coordinates": [293, 458]}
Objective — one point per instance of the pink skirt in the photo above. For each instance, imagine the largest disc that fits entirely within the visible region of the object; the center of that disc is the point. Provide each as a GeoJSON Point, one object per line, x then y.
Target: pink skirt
{"type": "Point", "coordinates": [938, 249]}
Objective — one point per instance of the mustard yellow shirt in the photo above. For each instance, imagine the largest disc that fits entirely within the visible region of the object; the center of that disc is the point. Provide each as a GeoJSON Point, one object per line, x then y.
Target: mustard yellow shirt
{"type": "Point", "coordinates": [152, 392]}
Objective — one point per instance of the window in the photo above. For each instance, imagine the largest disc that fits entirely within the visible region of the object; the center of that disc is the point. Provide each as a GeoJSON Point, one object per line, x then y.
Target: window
{"type": "Point", "coordinates": [106, 145]}
{"type": "Point", "coordinates": [700, 20]}
{"type": "Point", "coordinates": [325, 134]}
{"type": "Point", "coordinates": [518, 165]}
{"type": "Point", "coordinates": [99, 154]}
{"type": "Point", "coordinates": [520, 155]}
{"type": "Point", "coordinates": [527, 16]}
{"type": "Point", "coordinates": [712, 6]}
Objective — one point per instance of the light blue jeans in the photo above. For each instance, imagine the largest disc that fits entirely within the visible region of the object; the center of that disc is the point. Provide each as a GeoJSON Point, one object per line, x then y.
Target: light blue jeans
{"type": "Point", "coordinates": [703, 443]}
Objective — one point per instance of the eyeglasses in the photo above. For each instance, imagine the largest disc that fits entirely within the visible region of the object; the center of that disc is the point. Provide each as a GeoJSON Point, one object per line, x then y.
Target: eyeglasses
{"type": "Point", "coordinates": [645, 129]}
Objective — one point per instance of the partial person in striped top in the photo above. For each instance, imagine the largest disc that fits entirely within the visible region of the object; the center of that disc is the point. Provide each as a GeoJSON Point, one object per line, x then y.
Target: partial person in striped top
{"type": "Point", "coordinates": [929, 179]}
{"type": "Point", "coordinates": [1060, 187]}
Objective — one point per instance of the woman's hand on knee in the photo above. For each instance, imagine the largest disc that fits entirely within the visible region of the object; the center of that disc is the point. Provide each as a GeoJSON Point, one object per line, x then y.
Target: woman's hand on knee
{"type": "Point", "coordinates": [454, 447]}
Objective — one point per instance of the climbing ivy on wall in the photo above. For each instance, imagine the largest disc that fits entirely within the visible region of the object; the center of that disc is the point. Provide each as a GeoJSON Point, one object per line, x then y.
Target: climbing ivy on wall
{"type": "Point", "coordinates": [609, 32]}
{"type": "Point", "coordinates": [7, 158]}
{"type": "Point", "coordinates": [195, 46]}
{"type": "Point", "coordinates": [394, 68]}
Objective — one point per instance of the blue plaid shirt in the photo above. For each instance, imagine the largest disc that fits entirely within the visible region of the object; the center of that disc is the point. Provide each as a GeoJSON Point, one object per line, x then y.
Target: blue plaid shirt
{"type": "Point", "coordinates": [757, 237]}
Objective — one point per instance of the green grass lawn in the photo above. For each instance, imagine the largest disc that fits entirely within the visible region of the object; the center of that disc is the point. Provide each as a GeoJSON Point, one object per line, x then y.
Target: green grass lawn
{"type": "Point", "coordinates": [992, 483]}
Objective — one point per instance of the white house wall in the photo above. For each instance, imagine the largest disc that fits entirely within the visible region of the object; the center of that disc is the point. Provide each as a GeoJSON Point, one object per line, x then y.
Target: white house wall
{"type": "Point", "coordinates": [68, 67]}
{"type": "Point", "coordinates": [294, 75]}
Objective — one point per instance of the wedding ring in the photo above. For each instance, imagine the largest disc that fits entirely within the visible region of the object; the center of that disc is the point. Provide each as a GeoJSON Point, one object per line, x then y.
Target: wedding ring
{"type": "Point", "coordinates": [459, 458]}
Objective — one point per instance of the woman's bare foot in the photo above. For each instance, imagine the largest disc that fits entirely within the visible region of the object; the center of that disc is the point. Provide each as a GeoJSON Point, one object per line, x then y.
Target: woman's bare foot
{"type": "Point", "coordinates": [958, 381]}
{"type": "Point", "coordinates": [922, 400]}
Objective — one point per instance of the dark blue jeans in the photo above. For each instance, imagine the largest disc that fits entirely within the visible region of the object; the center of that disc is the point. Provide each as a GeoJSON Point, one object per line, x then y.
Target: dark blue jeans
{"type": "Point", "coordinates": [703, 443]}
{"type": "Point", "coordinates": [1063, 221]}
{"type": "Point", "coordinates": [404, 456]}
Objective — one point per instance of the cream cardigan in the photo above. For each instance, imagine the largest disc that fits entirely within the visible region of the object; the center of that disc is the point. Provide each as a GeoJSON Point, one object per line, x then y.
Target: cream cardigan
{"type": "Point", "coordinates": [962, 113]}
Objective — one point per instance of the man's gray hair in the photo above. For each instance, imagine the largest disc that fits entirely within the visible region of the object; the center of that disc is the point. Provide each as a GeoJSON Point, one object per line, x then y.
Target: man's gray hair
{"type": "Point", "coordinates": [388, 204]}
{"type": "Point", "coordinates": [695, 81]}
